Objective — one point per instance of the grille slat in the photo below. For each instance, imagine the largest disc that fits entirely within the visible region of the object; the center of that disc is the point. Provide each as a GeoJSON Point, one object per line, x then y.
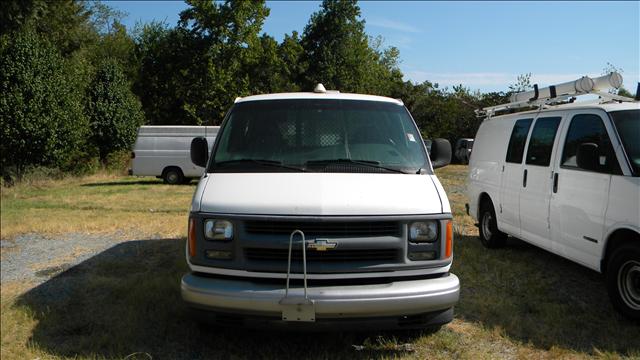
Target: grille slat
{"type": "Point", "coordinates": [312, 255]}
{"type": "Point", "coordinates": [371, 228]}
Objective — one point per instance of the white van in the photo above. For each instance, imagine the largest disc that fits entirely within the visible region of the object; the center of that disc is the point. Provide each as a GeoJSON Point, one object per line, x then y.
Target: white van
{"type": "Point", "coordinates": [565, 178]}
{"type": "Point", "coordinates": [163, 151]}
{"type": "Point", "coordinates": [320, 210]}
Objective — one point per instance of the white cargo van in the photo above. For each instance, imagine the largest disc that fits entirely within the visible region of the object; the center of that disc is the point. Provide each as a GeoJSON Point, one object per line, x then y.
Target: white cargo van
{"type": "Point", "coordinates": [566, 178]}
{"type": "Point", "coordinates": [163, 151]}
{"type": "Point", "coordinates": [320, 210]}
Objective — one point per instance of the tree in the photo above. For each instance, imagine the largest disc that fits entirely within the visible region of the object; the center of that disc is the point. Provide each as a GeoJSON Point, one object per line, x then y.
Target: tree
{"type": "Point", "coordinates": [227, 35]}
{"type": "Point", "coordinates": [624, 92]}
{"type": "Point", "coordinates": [191, 74]}
{"type": "Point", "coordinates": [116, 44]}
{"type": "Point", "coordinates": [610, 68]}
{"type": "Point", "coordinates": [41, 106]}
{"type": "Point", "coordinates": [265, 67]}
{"type": "Point", "coordinates": [337, 52]}
{"type": "Point", "coordinates": [290, 51]}
{"type": "Point", "coordinates": [523, 83]}
{"type": "Point", "coordinates": [113, 111]}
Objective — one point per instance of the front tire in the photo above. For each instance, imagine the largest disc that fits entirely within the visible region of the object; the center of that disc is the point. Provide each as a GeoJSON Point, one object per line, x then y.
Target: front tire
{"type": "Point", "coordinates": [490, 236]}
{"type": "Point", "coordinates": [173, 176]}
{"type": "Point", "coordinates": [623, 280]}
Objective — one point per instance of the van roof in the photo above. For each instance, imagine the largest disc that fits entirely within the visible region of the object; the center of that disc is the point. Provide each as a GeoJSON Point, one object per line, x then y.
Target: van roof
{"type": "Point", "coordinates": [608, 107]}
{"type": "Point", "coordinates": [313, 95]}
{"type": "Point", "coordinates": [176, 130]}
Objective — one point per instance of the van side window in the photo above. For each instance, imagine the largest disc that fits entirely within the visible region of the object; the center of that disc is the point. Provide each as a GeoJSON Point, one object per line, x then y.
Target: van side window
{"type": "Point", "coordinates": [517, 140]}
{"type": "Point", "coordinates": [589, 128]}
{"type": "Point", "coordinates": [541, 143]}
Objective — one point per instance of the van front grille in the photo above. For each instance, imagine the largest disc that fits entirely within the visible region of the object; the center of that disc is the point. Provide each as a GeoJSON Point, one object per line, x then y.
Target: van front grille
{"type": "Point", "coordinates": [322, 228]}
{"type": "Point", "coordinates": [330, 255]}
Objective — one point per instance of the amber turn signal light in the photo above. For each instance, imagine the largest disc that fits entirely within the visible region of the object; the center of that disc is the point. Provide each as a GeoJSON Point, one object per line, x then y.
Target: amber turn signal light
{"type": "Point", "coordinates": [192, 237]}
{"type": "Point", "coordinates": [448, 251]}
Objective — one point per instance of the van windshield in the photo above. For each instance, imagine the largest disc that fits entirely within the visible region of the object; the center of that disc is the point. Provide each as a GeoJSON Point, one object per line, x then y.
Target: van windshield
{"type": "Point", "coordinates": [327, 135]}
{"type": "Point", "coordinates": [627, 123]}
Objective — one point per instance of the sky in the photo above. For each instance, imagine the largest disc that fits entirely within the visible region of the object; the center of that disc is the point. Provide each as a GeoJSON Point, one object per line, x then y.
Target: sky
{"type": "Point", "coordinates": [482, 45]}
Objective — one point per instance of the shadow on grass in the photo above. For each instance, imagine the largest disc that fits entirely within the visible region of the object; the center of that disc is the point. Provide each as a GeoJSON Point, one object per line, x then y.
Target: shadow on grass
{"type": "Point", "coordinates": [124, 182]}
{"type": "Point", "coordinates": [539, 298]}
{"type": "Point", "coordinates": [127, 299]}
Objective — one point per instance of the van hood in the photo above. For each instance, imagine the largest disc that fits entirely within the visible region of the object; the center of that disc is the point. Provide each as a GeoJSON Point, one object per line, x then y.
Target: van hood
{"type": "Point", "coordinates": [320, 194]}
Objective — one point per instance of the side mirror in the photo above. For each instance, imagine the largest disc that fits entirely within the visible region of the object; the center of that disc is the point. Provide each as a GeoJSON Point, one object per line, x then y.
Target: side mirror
{"type": "Point", "coordinates": [199, 151]}
{"type": "Point", "coordinates": [587, 156]}
{"type": "Point", "coordinates": [440, 153]}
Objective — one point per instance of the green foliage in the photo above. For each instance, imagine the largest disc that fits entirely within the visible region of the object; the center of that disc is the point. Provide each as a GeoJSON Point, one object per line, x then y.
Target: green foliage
{"type": "Point", "coordinates": [624, 92]}
{"type": "Point", "coordinates": [523, 83]}
{"type": "Point", "coordinates": [226, 35]}
{"type": "Point", "coordinates": [41, 107]}
{"type": "Point", "coordinates": [70, 98]}
{"type": "Point", "coordinates": [192, 73]}
{"type": "Point", "coordinates": [446, 113]}
{"type": "Point", "coordinates": [119, 46]}
{"type": "Point", "coordinates": [15, 14]}
{"type": "Point", "coordinates": [113, 111]}
{"type": "Point", "coordinates": [338, 54]}
{"type": "Point", "coordinates": [293, 68]}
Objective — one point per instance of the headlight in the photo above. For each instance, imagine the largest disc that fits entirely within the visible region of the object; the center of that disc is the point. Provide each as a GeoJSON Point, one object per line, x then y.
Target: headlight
{"type": "Point", "coordinates": [218, 229]}
{"type": "Point", "coordinates": [423, 231]}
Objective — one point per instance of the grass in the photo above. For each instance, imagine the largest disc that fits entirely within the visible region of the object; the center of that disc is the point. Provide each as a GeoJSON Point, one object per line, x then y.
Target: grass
{"type": "Point", "coordinates": [517, 302]}
{"type": "Point", "coordinates": [96, 204]}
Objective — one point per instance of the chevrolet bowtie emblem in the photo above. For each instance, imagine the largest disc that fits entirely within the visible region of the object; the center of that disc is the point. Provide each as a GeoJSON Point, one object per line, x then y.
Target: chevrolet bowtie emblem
{"type": "Point", "coordinates": [321, 245]}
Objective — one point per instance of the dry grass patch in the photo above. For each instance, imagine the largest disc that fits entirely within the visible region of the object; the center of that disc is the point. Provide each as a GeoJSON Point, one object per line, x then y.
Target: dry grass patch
{"type": "Point", "coordinates": [96, 204]}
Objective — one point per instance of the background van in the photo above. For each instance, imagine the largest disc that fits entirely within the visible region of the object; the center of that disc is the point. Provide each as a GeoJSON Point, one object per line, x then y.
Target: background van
{"type": "Point", "coordinates": [163, 151]}
{"type": "Point", "coordinates": [462, 151]}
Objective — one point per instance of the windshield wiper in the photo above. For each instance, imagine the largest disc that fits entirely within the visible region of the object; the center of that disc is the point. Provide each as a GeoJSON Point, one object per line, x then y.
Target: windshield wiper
{"type": "Point", "coordinates": [263, 162]}
{"type": "Point", "coordinates": [369, 163]}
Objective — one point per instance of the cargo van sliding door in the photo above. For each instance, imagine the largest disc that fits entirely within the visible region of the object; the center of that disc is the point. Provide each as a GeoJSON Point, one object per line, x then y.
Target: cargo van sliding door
{"type": "Point", "coordinates": [535, 194]}
{"type": "Point", "coordinates": [511, 182]}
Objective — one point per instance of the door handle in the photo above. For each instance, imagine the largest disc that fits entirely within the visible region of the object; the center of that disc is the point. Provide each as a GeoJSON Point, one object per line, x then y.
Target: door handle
{"type": "Point", "coordinates": [524, 178]}
{"type": "Point", "coordinates": [555, 183]}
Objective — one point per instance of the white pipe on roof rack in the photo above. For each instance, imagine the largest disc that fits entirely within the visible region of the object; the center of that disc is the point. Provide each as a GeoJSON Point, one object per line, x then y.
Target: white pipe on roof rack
{"type": "Point", "coordinates": [583, 85]}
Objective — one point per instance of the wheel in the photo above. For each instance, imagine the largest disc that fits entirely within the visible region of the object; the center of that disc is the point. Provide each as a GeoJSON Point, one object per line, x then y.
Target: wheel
{"type": "Point", "coordinates": [623, 280]}
{"type": "Point", "coordinates": [490, 236]}
{"type": "Point", "coordinates": [173, 176]}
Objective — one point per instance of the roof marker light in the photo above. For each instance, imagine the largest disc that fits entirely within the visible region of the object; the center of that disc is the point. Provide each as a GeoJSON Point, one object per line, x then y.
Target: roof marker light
{"type": "Point", "coordinates": [319, 89]}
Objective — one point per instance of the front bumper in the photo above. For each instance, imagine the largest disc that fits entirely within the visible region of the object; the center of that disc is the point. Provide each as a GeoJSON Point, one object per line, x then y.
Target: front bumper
{"type": "Point", "coordinates": [387, 302]}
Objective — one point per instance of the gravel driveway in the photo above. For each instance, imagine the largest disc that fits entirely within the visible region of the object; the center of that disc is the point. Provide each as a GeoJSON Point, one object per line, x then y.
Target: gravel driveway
{"type": "Point", "coordinates": [34, 258]}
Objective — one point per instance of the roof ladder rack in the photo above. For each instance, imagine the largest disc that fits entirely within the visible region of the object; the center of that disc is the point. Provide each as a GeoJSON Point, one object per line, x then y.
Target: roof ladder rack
{"type": "Point", "coordinates": [556, 94]}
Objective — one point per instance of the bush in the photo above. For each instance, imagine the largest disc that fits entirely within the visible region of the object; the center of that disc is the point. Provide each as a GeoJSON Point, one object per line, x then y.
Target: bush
{"type": "Point", "coordinates": [118, 161]}
{"type": "Point", "coordinates": [113, 111]}
{"type": "Point", "coordinates": [41, 106]}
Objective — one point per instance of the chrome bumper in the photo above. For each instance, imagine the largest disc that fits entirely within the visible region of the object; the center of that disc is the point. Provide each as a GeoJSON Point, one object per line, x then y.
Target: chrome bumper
{"type": "Point", "coordinates": [400, 298]}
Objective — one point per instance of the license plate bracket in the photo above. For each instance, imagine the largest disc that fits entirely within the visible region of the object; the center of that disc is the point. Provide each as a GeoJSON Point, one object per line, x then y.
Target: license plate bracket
{"type": "Point", "coordinates": [298, 309]}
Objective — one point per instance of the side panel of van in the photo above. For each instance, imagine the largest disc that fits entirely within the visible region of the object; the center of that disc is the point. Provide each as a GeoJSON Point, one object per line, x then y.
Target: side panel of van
{"type": "Point", "coordinates": [485, 166]}
{"type": "Point", "coordinates": [512, 176]}
{"type": "Point", "coordinates": [580, 197]}
{"type": "Point", "coordinates": [535, 195]}
{"type": "Point", "coordinates": [155, 153]}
